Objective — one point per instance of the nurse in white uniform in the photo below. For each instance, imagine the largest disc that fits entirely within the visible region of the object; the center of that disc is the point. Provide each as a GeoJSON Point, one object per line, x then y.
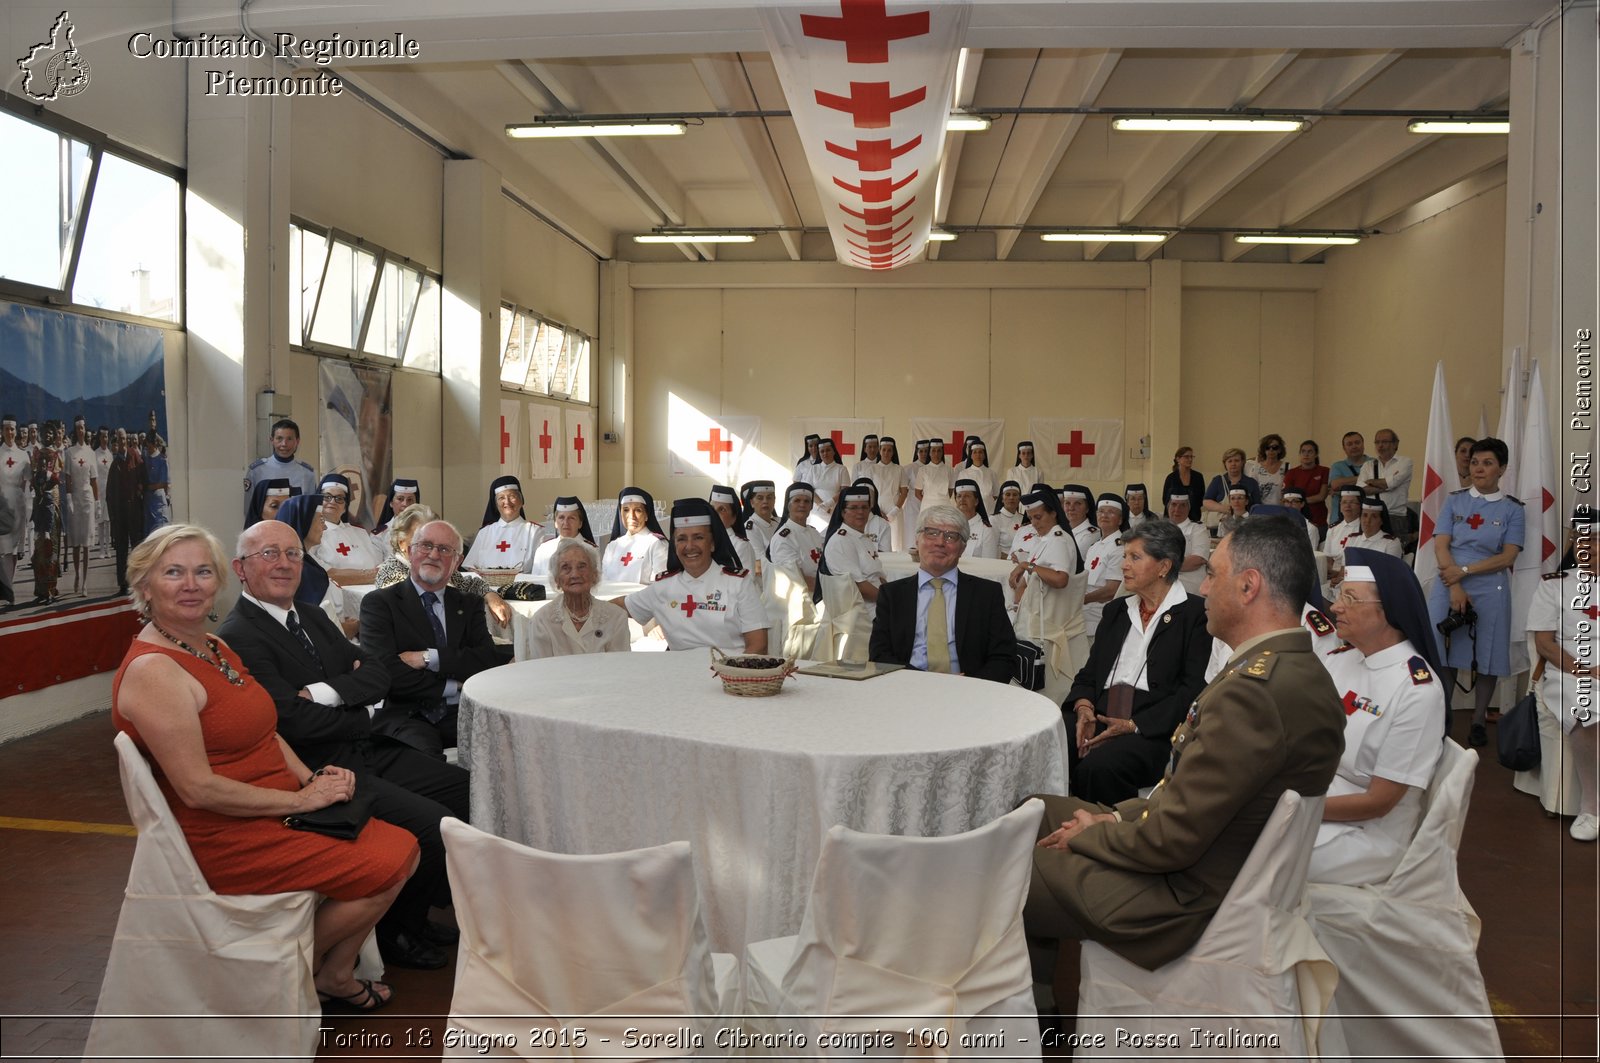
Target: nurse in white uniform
{"type": "Point", "coordinates": [1197, 541]}
{"type": "Point", "coordinates": [850, 574]}
{"type": "Point", "coordinates": [977, 470]}
{"type": "Point", "coordinates": [507, 538]}
{"type": "Point", "coordinates": [637, 552]}
{"type": "Point", "coordinates": [984, 540]}
{"type": "Point", "coordinates": [571, 521]}
{"type": "Point", "coordinates": [869, 457]}
{"type": "Point", "coordinates": [911, 508]}
{"type": "Point", "coordinates": [1076, 500]}
{"type": "Point", "coordinates": [935, 479]}
{"type": "Point", "coordinates": [1394, 722]}
{"type": "Point", "coordinates": [1024, 472]}
{"type": "Point", "coordinates": [1138, 498]}
{"type": "Point", "coordinates": [802, 468]}
{"type": "Point", "coordinates": [726, 506]}
{"type": "Point", "coordinates": [14, 478]}
{"type": "Point", "coordinates": [828, 478]}
{"type": "Point", "coordinates": [760, 514]}
{"type": "Point", "coordinates": [795, 551]}
{"type": "Point", "coordinates": [349, 553]}
{"type": "Point", "coordinates": [1561, 621]}
{"type": "Point", "coordinates": [1374, 534]}
{"type": "Point", "coordinates": [1102, 565]}
{"type": "Point", "coordinates": [1009, 520]}
{"type": "Point", "coordinates": [704, 598]}
{"type": "Point", "coordinates": [889, 479]}
{"type": "Point", "coordinates": [1295, 499]}
{"type": "Point", "coordinates": [1048, 614]}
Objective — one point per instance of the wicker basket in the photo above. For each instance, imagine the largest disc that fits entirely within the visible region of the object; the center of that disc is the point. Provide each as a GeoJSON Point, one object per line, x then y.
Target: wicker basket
{"type": "Point", "coordinates": [498, 577]}
{"type": "Point", "coordinates": [745, 682]}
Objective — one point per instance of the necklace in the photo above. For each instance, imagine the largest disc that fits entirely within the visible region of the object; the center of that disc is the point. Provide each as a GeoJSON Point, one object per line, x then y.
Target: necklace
{"type": "Point", "coordinates": [216, 660]}
{"type": "Point", "coordinates": [1146, 615]}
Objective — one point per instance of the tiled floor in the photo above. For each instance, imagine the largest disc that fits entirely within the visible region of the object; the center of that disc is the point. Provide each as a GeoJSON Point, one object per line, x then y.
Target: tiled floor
{"type": "Point", "coordinates": [1534, 887]}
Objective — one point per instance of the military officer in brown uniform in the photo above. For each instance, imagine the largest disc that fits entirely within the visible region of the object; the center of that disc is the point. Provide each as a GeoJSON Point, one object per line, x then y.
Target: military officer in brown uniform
{"type": "Point", "coordinates": [1144, 878]}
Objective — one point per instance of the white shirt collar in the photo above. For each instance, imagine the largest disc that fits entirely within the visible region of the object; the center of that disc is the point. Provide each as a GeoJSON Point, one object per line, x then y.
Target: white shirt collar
{"type": "Point", "coordinates": [278, 614]}
{"type": "Point", "coordinates": [1175, 594]}
{"type": "Point", "coordinates": [1497, 496]}
{"type": "Point", "coordinates": [1390, 655]}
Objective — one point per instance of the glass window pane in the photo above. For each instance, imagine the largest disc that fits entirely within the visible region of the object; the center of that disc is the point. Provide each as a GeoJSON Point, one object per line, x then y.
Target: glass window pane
{"type": "Point", "coordinates": [391, 311]}
{"type": "Point", "coordinates": [580, 371]}
{"type": "Point", "coordinates": [42, 185]}
{"type": "Point", "coordinates": [560, 383]}
{"type": "Point", "coordinates": [422, 342]}
{"type": "Point", "coordinates": [130, 246]}
{"type": "Point", "coordinates": [308, 252]}
{"type": "Point", "coordinates": [343, 300]}
{"type": "Point", "coordinates": [514, 353]}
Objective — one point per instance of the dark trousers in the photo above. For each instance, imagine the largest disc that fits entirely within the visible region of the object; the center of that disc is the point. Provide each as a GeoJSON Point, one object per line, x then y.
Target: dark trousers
{"type": "Point", "coordinates": [125, 535]}
{"type": "Point", "coordinates": [1119, 768]}
{"type": "Point", "coordinates": [413, 791]}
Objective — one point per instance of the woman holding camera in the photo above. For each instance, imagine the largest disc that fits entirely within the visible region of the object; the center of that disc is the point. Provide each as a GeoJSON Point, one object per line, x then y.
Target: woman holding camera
{"type": "Point", "coordinates": [1478, 538]}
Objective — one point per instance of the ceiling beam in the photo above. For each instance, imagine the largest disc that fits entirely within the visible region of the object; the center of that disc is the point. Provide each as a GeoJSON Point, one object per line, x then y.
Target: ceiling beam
{"type": "Point", "coordinates": [950, 161]}
{"type": "Point", "coordinates": [725, 83]}
{"type": "Point", "coordinates": [1037, 143]}
{"type": "Point", "coordinates": [1441, 201]}
{"type": "Point", "coordinates": [1438, 166]}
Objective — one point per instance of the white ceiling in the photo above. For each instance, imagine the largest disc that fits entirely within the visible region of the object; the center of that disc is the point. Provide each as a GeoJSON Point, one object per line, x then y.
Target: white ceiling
{"type": "Point", "coordinates": [485, 65]}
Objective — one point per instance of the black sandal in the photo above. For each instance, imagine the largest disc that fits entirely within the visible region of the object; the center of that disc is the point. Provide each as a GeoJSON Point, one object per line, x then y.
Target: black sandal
{"type": "Point", "coordinates": [365, 1000]}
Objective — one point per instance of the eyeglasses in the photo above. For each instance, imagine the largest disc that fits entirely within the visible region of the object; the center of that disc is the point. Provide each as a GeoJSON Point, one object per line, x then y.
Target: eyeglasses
{"type": "Point", "coordinates": [1346, 599]}
{"type": "Point", "coordinates": [272, 553]}
{"type": "Point", "coordinates": [329, 496]}
{"type": "Point", "coordinates": [933, 535]}
{"type": "Point", "coordinates": [1275, 446]}
{"type": "Point", "coordinates": [434, 548]}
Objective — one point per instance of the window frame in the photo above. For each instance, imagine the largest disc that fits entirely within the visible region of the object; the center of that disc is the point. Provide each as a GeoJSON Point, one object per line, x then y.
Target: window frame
{"type": "Point", "coordinates": [570, 335]}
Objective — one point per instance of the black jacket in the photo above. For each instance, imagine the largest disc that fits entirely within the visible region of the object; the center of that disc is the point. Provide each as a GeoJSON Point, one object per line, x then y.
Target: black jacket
{"type": "Point", "coordinates": [985, 641]}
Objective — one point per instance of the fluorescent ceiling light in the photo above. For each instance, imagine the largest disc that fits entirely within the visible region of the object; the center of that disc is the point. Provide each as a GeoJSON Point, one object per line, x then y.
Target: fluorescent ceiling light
{"type": "Point", "coordinates": [959, 122]}
{"type": "Point", "coordinates": [532, 130]}
{"type": "Point", "coordinates": [1108, 238]}
{"type": "Point", "coordinates": [1286, 238]}
{"type": "Point", "coordinates": [1207, 124]}
{"type": "Point", "coordinates": [938, 236]}
{"type": "Point", "coordinates": [694, 238]}
{"type": "Point", "coordinates": [1459, 125]}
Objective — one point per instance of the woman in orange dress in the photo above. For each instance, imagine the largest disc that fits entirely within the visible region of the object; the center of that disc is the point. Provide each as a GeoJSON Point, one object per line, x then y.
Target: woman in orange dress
{"type": "Point", "coordinates": [210, 730]}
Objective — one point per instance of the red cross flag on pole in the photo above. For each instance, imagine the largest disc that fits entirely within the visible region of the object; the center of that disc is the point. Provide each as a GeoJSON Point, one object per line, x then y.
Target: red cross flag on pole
{"type": "Point", "coordinates": [545, 448]}
{"type": "Point", "coordinates": [1536, 484]}
{"type": "Point", "coordinates": [1438, 479]}
{"type": "Point", "coordinates": [508, 437]}
{"type": "Point", "coordinates": [580, 442]}
{"type": "Point", "coordinates": [1077, 450]}
{"type": "Point", "coordinates": [869, 84]}
{"type": "Point", "coordinates": [712, 445]}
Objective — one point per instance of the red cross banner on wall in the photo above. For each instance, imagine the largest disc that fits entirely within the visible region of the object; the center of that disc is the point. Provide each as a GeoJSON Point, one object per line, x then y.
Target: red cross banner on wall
{"type": "Point", "coordinates": [508, 438]}
{"type": "Point", "coordinates": [955, 431]}
{"type": "Point", "coordinates": [869, 83]}
{"type": "Point", "coordinates": [546, 449]}
{"type": "Point", "coordinates": [580, 443]}
{"type": "Point", "coordinates": [1076, 450]}
{"type": "Point", "coordinates": [711, 445]}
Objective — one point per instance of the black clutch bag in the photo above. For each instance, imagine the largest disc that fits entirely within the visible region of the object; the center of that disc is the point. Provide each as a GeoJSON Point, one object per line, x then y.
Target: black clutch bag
{"type": "Point", "coordinates": [342, 819]}
{"type": "Point", "coordinates": [522, 591]}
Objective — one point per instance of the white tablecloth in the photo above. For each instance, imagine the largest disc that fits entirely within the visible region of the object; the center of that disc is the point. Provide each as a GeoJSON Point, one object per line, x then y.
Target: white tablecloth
{"type": "Point", "coordinates": [896, 565]}
{"type": "Point", "coordinates": [599, 754]}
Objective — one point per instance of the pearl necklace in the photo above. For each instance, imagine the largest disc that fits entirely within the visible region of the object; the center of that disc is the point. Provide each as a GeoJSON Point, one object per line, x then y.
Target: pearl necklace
{"type": "Point", "coordinates": [216, 659]}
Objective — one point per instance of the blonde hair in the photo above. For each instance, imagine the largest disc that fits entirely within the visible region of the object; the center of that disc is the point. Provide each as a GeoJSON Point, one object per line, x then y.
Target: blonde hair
{"type": "Point", "coordinates": [1232, 452]}
{"type": "Point", "coordinates": [144, 557]}
{"type": "Point", "coordinates": [406, 523]}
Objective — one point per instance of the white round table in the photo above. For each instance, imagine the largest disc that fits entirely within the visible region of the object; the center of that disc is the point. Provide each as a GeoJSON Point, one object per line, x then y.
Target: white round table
{"type": "Point", "coordinates": [601, 753]}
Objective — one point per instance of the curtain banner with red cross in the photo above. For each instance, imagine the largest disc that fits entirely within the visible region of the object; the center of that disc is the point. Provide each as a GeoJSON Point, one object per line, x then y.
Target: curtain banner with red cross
{"type": "Point", "coordinates": [1073, 450]}
{"type": "Point", "coordinates": [846, 433]}
{"type": "Point", "coordinates": [700, 444]}
{"type": "Point", "coordinates": [509, 438]}
{"type": "Point", "coordinates": [544, 441]}
{"type": "Point", "coordinates": [869, 84]}
{"type": "Point", "coordinates": [580, 445]}
{"type": "Point", "coordinates": [955, 431]}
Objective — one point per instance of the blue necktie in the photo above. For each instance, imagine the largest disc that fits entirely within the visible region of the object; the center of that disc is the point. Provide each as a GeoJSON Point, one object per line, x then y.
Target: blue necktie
{"type": "Point", "coordinates": [429, 600]}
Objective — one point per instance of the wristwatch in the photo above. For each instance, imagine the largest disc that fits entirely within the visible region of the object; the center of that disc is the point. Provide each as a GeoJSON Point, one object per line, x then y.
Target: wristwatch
{"type": "Point", "coordinates": [1466, 570]}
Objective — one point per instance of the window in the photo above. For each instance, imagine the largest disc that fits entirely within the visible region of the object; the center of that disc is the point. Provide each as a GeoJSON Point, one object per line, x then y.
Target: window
{"type": "Point", "coordinates": [349, 297]}
{"type": "Point", "coordinates": [87, 223]}
{"type": "Point", "coordinates": [541, 356]}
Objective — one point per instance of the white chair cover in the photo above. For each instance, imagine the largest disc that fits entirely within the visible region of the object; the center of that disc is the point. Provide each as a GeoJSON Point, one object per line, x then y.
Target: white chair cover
{"type": "Point", "coordinates": [614, 939]}
{"type": "Point", "coordinates": [805, 621]}
{"type": "Point", "coordinates": [925, 928]}
{"type": "Point", "coordinates": [1555, 781]}
{"type": "Point", "coordinates": [1255, 977]}
{"type": "Point", "coordinates": [850, 618]}
{"type": "Point", "coordinates": [182, 951]}
{"type": "Point", "coordinates": [1408, 946]}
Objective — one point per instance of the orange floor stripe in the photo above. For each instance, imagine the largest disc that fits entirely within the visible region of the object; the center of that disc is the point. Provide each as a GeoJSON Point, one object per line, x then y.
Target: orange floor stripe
{"type": "Point", "coordinates": [67, 826]}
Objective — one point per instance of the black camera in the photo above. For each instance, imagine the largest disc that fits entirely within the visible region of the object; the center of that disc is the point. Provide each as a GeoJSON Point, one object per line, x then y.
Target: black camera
{"type": "Point", "coordinates": [1457, 620]}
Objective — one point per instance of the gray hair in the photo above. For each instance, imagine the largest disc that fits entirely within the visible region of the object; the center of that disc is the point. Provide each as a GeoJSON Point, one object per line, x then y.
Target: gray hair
{"type": "Point", "coordinates": [1275, 547]}
{"type": "Point", "coordinates": [944, 515]}
{"type": "Point", "coordinates": [566, 546]}
{"type": "Point", "coordinates": [406, 522]}
{"type": "Point", "coordinates": [1163, 542]}
{"type": "Point", "coordinates": [1230, 524]}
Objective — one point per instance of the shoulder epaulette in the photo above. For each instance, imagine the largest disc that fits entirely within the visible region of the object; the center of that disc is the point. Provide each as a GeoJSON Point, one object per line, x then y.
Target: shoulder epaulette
{"type": "Point", "coordinates": [741, 573]}
{"type": "Point", "coordinates": [665, 575]}
{"type": "Point", "coordinates": [842, 530]}
{"type": "Point", "coordinates": [1258, 666]}
{"type": "Point", "coordinates": [1343, 647]}
{"type": "Point", "coordinates": [307, 467]}
{"type": "Point", "coordinates": [1057, 530]}
{"type": "Point", "coordinates": [1420, 672]}
{"type": "Point", "coordinates": [1461, 491]}
{"type": "Point", "coordinates": [1386, 535]}
{"type": "Point", "coordinates": [1553, 575]}
{"type": "Point", "coordinates": [1515, 499]}
{"type": "Point", "coordinates": [750, 524]}
{"type": "Point", "coordinates": [258, 461]}
{"type": "Point", "coordinates": [785, 533]}
{"type": "Point", "coordinates": [1318, 622]}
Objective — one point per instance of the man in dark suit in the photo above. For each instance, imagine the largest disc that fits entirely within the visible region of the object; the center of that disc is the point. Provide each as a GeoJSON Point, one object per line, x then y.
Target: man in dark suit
{"type": "Point", "coordinates": [322, 687]}
{"type": "Point", "coordinates": [430, 638]}
{"type": "Point", "coordinates": [1144, 878]}
{"type": "Point", "coordinates": [971, 634]}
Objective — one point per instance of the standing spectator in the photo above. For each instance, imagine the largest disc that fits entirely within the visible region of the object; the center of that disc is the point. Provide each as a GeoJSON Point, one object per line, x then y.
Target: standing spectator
{"type": "Point", "coordinates": [1463, 454]}
{"type": "Point", "coordinates": [1346, 471]}
{"type": "Point", "coordinates": [1389, 475]}
{"type": "Point", "coordinates": [1184, 478]}
{"type": "Point", "coordinates": [1231, 476]}
{"type": "Point", "coordinates": [281, 464]}
{"type": "Point", "coordinates": [125, 500]}
{"type": "Point", "coordinates": [1268, 468]}
{"type": "Point", "coordinates": [1311, 477]}
{"type": "Point", "coordinates": [46, 515]}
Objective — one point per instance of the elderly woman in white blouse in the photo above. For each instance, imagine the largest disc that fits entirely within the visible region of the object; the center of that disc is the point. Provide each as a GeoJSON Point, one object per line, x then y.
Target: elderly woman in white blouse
{"type": "Point", "coordinates": [575, 621]}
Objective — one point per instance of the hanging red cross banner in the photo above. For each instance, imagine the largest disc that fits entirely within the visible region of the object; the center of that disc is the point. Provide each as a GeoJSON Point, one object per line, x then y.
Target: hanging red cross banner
{"type": "Point", "coordinates": [954, 432]}
{"type": "Point", "coordinates": [703, 444]}
{"type": "Point", "coordinates": [508, 438]}
{"type": "Point", "coordinates": [869, 84]}
{"type": "Point", "coordinates": [545, 449]}
{"type": "Point", "coordinates": [1075, 450]}
{"type": "Point", "coordinates": [580, 443]}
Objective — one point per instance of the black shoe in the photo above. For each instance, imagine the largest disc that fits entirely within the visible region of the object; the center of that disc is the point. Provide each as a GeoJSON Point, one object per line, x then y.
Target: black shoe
{"type": "Point", "coordinates": [1478, 737]}
{"type": "Point", "coordinates": [442, 934]}
{"type": "Point", "coordinates": [404, 950]}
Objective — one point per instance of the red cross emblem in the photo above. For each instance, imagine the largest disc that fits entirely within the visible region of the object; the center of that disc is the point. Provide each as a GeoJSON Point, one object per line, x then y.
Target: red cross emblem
{"type": "Point", "coordinates": [689, 605]}
{"type": "Point", "coordinates": [80, 463]}
{"type": "Point", "coordinates": [1592, 612]}
{"type": "Point", "coordinates": [1077, 449]}
{"type": "Point", "coordinates": [627, 559]}
{"type": "Point", "coordinates": [505, 439]}
{"type": "Point", "coordinates": [10, 462]}
{"type": "Point", "coordinates": [872, 156]}
{"type": "Point", "coordinates": [816, 555]}
{"type": "Point", "coordinates": [870, 103]}
{"type": "Point", "coordinates": [502, 546]}
{"type": "Point", "coordinates": [545, 441]}
{"type": "Point", "coordinates": [716, 446]}
{"type": "Point", "coordinates": [578, 443]}
{"type": "Point", "coordinates": [844, 449]}
{"type": "Point", "coordinates": [1475, 521]}
{"type": "Point", "coordinates": [958, 439]}
{"type": "Point", "coordinates": [1094, 564]}
{"type": "Point", "coordinates": [865, 28]}
{"type": "Point", "coordinates": [878, 189]}
{"type": "Point", "coordinates": [344, 549]}
{"type": "Point", "coordinates": [1351, 703]}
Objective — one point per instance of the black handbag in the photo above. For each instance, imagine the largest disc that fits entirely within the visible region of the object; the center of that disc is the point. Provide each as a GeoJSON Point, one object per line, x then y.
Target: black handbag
{"type": "Point", "coordinates": [1517, 734]}
{"type": "Point", "coordinates": [342, 819]}
{"type": "Point", "coordinates": [1029, 665]}
{"type": "Point", "coordinates": [522, 591]}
